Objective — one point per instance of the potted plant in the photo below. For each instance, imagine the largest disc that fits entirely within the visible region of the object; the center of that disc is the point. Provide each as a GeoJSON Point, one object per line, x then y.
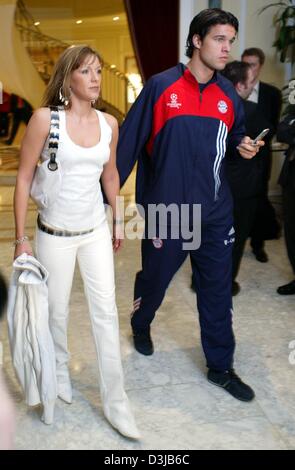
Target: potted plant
{"type": "Point", "coordinates": [285, 20]}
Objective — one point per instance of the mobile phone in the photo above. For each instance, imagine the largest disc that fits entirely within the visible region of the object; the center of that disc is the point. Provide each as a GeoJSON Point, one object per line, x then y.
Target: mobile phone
{"type": "Point", "coordinates": [260, 136]}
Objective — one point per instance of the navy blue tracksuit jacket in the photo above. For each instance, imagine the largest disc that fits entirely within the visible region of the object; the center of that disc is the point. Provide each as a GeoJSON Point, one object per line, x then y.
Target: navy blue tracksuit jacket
{"type": "Point", "coordinates": [178, 131]}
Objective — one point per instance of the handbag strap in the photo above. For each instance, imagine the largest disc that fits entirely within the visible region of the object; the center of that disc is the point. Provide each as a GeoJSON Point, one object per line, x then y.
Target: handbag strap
{"type": "Point", "coordinates": [53, 138]}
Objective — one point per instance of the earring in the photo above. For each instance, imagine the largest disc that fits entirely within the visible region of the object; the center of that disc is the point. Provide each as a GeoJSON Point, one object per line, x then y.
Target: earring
{"type": "Point", "coordinates": [62, 98]}
{"type": "Point", "coordinates": [60, 95]}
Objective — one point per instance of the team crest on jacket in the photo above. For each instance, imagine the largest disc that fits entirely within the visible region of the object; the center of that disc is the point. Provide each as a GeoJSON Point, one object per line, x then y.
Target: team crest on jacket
{"type": "Point", "coordinates": [222, 107]}
{"type": "Point", "coordinates": [174, 101]}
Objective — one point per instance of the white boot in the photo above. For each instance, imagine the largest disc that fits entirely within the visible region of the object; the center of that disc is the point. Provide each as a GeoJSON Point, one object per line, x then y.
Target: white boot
{"type": "Point", "coordinates": [115, 401]}
{"type": "Point", "coordinates": [48, 412]}
{"type": "Point", "coordinates": [64, 392]}
{"type": "Point", "coordinates": [121, 418]}
{"type": "Point", "coordinates": [64, 386]}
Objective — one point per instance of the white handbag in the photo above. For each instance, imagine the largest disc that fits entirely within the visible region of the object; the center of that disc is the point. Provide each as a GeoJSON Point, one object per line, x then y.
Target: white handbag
{"type": "Point", "coordinates": [47, 179]}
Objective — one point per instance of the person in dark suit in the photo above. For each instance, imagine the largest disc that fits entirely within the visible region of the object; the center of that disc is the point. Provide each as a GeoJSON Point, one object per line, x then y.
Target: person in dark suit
{"type": "Point", "coordinates": [3, 294]}
{"type": "Point", "coordinates": [246, 178]}
{"type": "Point", "coordinates": [21, 112]}
{"type": "Point", "coordinates": [286, 134]}
{"type": "Point", "coordinates": [4, 114]}
{"type": "Point", "coordinates": [269, 102]}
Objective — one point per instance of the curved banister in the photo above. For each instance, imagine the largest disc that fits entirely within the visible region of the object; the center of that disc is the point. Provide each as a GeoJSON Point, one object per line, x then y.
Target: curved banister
{"type": "Point", "coordinates": [44, 51]}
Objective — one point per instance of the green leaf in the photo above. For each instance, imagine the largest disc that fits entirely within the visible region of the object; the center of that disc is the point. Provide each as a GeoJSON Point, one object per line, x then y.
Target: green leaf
{"type": "Point", "coordinates": [283, 55]}
{"type": "Point", "coordinates": [271, 5]}
{"type": "Point", "coordinates": [283, 35]}
{"type": "Point", "coordinates": [286, 33]}
{"type": "Point", "coordinates": [288, 13]}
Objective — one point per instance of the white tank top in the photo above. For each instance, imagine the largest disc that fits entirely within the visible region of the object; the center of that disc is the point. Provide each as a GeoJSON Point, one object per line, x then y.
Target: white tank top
{"type": "Point", "coordinates": [79, 205]}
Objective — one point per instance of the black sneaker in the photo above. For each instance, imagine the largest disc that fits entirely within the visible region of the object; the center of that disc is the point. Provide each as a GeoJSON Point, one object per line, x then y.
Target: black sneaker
{"type": "Point", "coordinates": [143, 342]}
{"type": "Point", "coordinates": [230, 381]}
{"type": "Point", "coordinates": [287, 289]}
{"type": "Point", "coordinates": [260, 255]}
{"type": "Point", "coordinates": [235, 288]}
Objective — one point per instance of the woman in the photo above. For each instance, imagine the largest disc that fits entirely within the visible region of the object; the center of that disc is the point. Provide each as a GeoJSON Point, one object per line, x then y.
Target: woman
{"type": "Point", "coordinates": [74, 226]}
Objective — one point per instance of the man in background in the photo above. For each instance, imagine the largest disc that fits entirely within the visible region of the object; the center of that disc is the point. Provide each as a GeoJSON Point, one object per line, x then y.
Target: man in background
{"type": "Point", "coordinates": [4, 114]}
{"type": "Point", "coordinates": [21, 112]}
{"type": "Point", "coordinates": [268, 99]}
{"type": "Point", "coordinates": [286, 134]}
{"type": "Point", "coordinates": [246, 177]}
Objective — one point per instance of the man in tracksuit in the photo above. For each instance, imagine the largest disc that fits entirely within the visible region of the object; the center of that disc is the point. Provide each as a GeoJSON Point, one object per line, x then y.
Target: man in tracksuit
{"type": "Point", "coordinates": [178, 130]}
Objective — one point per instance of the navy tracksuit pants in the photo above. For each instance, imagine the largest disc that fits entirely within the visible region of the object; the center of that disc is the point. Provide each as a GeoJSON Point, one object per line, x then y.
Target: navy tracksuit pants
{"type": "Point", "coordinates": [212, 272]}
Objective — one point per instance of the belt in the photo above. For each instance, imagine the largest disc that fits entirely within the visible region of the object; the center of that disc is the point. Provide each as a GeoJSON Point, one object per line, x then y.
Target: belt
{"type": "Point", "coordinates": [60, 233]}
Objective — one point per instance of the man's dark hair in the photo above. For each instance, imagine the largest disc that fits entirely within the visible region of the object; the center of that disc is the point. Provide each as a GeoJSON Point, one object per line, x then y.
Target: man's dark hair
{"type": "Point", "coordinates": [255, 51]}
{"type": "Point", "coordinates": [236, 71]}
{"type": "Point", "coordinates": [3, 294]}
{"type": "Point", "coordinates": [203, 22]}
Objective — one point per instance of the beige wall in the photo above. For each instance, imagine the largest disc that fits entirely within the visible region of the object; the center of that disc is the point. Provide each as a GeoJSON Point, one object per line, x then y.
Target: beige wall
{"type": "Point", "coordinates": [258, 31]}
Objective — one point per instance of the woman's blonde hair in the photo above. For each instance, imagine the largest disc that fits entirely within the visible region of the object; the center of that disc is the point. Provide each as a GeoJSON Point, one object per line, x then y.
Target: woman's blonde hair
{"type": "Point", "coordinates": [58, 88]}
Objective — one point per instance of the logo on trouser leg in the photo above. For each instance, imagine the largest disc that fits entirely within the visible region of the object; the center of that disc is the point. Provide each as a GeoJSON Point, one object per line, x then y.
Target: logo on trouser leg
{"type": "Point", "coordinates": [136, 306]}
{"type": "Point", "coordinates": [230, 240]}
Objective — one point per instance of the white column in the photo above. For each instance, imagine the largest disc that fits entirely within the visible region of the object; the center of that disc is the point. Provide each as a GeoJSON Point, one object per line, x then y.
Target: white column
{"type": "Point", "coordinates": [187, 10]}
{"type": "Point", "coordinates": [242, 26]}
{"type": "Point", "coordinates": [186, 14]}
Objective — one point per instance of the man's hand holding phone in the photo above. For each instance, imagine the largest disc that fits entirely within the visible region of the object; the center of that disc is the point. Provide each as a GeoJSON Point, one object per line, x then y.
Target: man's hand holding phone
{"type": "Point", "coordinates": [260, 136]}
{"type": "Point", "coordinates": [248, 148]}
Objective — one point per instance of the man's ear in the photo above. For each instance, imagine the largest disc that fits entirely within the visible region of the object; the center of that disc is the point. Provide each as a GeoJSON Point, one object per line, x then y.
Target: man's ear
{"type": "Point", "coordinates": [197, 41]}
{"type": "Point", "coordinates": [239, 87]}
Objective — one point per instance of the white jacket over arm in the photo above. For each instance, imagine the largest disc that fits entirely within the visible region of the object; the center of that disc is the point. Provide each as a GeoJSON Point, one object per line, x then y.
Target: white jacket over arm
{"type": "Point", "coordinates": [31, 343]}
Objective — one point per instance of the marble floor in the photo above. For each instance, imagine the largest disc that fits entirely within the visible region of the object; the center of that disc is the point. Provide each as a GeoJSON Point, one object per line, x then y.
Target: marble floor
{"type": "Point", "coordinates": [175, 406]}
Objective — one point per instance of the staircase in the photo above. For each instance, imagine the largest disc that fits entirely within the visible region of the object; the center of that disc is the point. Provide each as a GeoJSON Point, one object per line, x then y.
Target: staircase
{"type": "Point", "coordinates": [40, 52]}
{"type": "Point", "coordinates": [29, 59]}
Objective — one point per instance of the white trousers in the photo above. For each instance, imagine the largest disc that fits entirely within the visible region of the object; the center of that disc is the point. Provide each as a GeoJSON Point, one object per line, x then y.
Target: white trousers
{"type": "Point", "coordinates": [95, 257]}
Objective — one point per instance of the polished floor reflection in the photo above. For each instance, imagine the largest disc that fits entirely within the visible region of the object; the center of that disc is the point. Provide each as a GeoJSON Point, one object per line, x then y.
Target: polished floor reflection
{"type": "Point", "coordinates": [175, 406]}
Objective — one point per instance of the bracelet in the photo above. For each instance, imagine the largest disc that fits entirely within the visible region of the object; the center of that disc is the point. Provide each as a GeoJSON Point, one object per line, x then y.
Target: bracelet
{"type": "Point", "coordinates": [20, 240]}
